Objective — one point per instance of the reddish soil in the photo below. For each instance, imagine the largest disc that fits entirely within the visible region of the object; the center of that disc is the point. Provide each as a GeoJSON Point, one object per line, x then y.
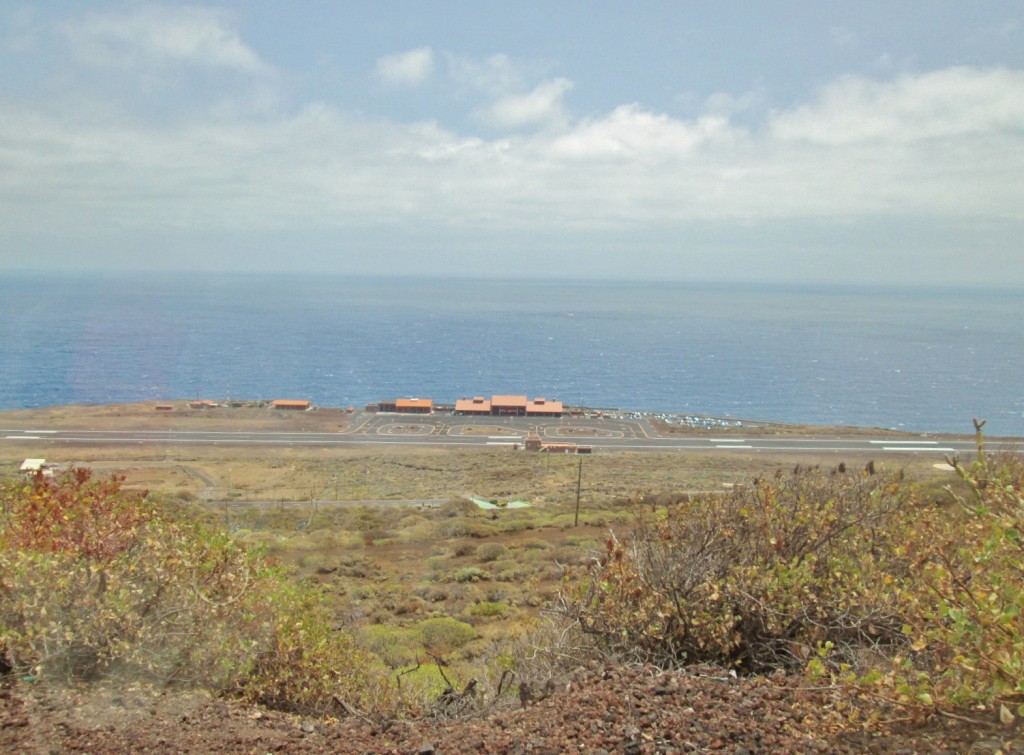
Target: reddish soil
{"type": "Point", "coordinates": [601, 711]}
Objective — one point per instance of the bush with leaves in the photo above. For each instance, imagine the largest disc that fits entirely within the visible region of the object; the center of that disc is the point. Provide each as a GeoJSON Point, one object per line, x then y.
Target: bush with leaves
{"type": "Point", "coordinates": [760, 578]}
{"type": "Point", "coordinates": [970, 632]}
{"type": "Point", "coordinates": [99, 581]}
{"type": "Point", "coordinates": [471, 574]}
{"type": "Point", "coordinates": [489, 552]}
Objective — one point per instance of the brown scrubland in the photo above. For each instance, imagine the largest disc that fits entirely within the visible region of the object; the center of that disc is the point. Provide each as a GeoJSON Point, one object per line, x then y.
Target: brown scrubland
{"type": "Point", "coordinates": [356, 600]}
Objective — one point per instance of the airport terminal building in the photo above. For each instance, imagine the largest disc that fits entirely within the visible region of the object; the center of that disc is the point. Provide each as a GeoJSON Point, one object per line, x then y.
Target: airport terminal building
{"type": "Point", "coordinates": [508, 406]}
{"type": "Point", "coordinates": [495, 406]}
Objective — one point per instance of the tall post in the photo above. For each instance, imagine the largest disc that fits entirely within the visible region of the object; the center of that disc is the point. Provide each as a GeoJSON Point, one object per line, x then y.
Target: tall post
{"type": "Point", "coordinates": [579, 481]}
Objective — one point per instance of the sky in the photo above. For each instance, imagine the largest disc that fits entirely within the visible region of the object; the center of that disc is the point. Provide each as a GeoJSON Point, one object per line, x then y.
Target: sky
{"type": "Point", "coordinates": [799, 142]}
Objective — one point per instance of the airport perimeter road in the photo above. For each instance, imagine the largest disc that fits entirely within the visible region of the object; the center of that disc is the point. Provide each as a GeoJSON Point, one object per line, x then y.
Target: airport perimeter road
{"type": "Point", "coordinates": [434, 433]}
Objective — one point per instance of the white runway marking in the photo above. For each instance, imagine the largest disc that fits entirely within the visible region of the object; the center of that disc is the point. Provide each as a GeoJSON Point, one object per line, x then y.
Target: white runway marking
{"type": "Point", "coordinates": [909, 449]}
{"type": "Point", "coordinates": [733, 445]}
{"type": "Point", "coordinates": [22, 437]}
{"type": "Point", "coordinates": [905, 442]}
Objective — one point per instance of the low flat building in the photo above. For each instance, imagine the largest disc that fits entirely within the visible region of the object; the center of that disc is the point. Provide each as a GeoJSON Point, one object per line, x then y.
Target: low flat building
{"type": "Point", "coordinates": [31, 467]}
{"type": "Point", "coordinates": [541, 407]}
{"type": "Point", "coordinates": [414, 405]}
{"type": "Point", "coordinates": [558, 448]}
{"type": "Point", "coordinates": [291, 404]}
{"type": "Point", "coordinates": [475, 405]}
{"type": "Point", "coordinates": [509, 406]}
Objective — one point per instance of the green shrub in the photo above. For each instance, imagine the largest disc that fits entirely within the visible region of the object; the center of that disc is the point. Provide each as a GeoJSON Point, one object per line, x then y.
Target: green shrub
{"type": "Point", "coordinates": [396, 647]}
{"type": "Point", "coordinates": [444, 634]}
{"type": "Point", "coordinates": [971, 623]}
{"type": "Point", "coordinates": [471, 574]}
{"type": "Point", "coordinates": [436, 564]}
{"type": "Point", "coordinates": [488, 608]}
{"type": "Point", "coordinates": [490, 552]}
{"type": "Point", "coordinates": [423, 683]}
{"type": "Point", "coordinates": [464, 527]}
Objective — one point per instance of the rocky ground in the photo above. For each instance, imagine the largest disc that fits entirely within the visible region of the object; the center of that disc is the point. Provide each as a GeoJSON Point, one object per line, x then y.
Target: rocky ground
{"type": "Point", "coordinates": [612, 710]}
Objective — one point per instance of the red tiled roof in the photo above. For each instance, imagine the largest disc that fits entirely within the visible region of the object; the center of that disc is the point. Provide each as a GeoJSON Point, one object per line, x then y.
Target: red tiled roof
{"type": "Point", "coordinates": [476, 404]}
{"type": "Point", "coordinates": [543, 406]}
{"type": "Point", "coordinates": [415, 403]}
{"type": "Point", "coordinates": [516, 401]}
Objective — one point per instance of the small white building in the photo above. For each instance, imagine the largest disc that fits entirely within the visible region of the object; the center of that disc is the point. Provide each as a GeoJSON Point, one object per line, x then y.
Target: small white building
{"type": "Point", "coordinates": [31, 466]}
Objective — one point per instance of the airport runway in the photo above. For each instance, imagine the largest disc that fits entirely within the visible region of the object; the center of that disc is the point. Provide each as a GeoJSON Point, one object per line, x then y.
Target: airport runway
{"type": "Point", "coordinates": [406, 432]}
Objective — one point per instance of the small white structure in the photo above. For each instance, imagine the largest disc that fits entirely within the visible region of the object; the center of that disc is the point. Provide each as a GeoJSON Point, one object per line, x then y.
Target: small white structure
{"type": "Point", "coordinates": [31, 466]}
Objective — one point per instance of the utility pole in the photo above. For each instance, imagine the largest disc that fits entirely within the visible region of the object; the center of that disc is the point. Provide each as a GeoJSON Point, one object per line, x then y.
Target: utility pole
{"type": "Point", "coordinates": [579, 482]}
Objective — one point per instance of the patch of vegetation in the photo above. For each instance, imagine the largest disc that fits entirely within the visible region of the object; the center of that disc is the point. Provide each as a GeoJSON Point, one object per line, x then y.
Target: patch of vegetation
{"type": "Point", "coordinates": [489, 552]}
{"type": "Point", "coordinates": [860, 577]}
{"type": "Point", "coordinates": [444, 634]}
{"type": "Point", "coordinates": [488, 608]}
{"type": "Point", "coordinates": [471, 574]}
{"type": "Point", "coordinates": [756, 579]}
{"type": "Point", "coordinates": [968, 636]}
{"type": "Point", "coordinates": [96, 581]}
{"type": "Point", "coordinates": [855, 576]}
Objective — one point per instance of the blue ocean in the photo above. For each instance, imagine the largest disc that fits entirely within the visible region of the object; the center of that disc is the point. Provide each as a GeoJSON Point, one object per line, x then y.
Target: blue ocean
{"type": "Point", "coordinates": [920, 359]}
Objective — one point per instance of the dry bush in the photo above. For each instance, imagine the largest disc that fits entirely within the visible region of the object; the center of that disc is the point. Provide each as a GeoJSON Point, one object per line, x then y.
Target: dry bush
{"type": "Point", "coordinates": [96, 581]}
{"type": "Point", "coordinates": [462, 527]}
{"type": "Point", "coordinates": [538, 657]}
{"type": "Point", "coordinates": [757, 579]}
{"type": "Point", "coordinates": [458, 507]}
{"type": "Point", "coordinates": [463, 548]}
{"type": "Point", "coordinates": [570, 555]}
{"type": "Point", "coordinates": [375, 535]}
{"type": "Point", "coordinates": [512, 570]}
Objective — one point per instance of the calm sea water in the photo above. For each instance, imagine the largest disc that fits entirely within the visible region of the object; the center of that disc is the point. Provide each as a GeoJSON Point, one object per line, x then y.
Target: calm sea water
{"type": "Point", "coordinates": [923, 360]}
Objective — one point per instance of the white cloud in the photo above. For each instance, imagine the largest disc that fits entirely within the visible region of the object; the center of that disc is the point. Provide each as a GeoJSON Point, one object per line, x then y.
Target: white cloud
{"type": "Point", "coordinates": [941, 104]}
{"type": "Point", "coordinates": [409, 68]}
{"type": "Point", "coordinates": [496, 76]}
{"type": "Point", "coordinates": [946, 144]}
{"type": "Point", "coordinates": [631, 133]}
{"type": "Point", "coordinates": [148, 35]}
{"type": "Point", "coordinates": [725, 104]}
{"type": "Point", "coordinates": [541, 106]}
